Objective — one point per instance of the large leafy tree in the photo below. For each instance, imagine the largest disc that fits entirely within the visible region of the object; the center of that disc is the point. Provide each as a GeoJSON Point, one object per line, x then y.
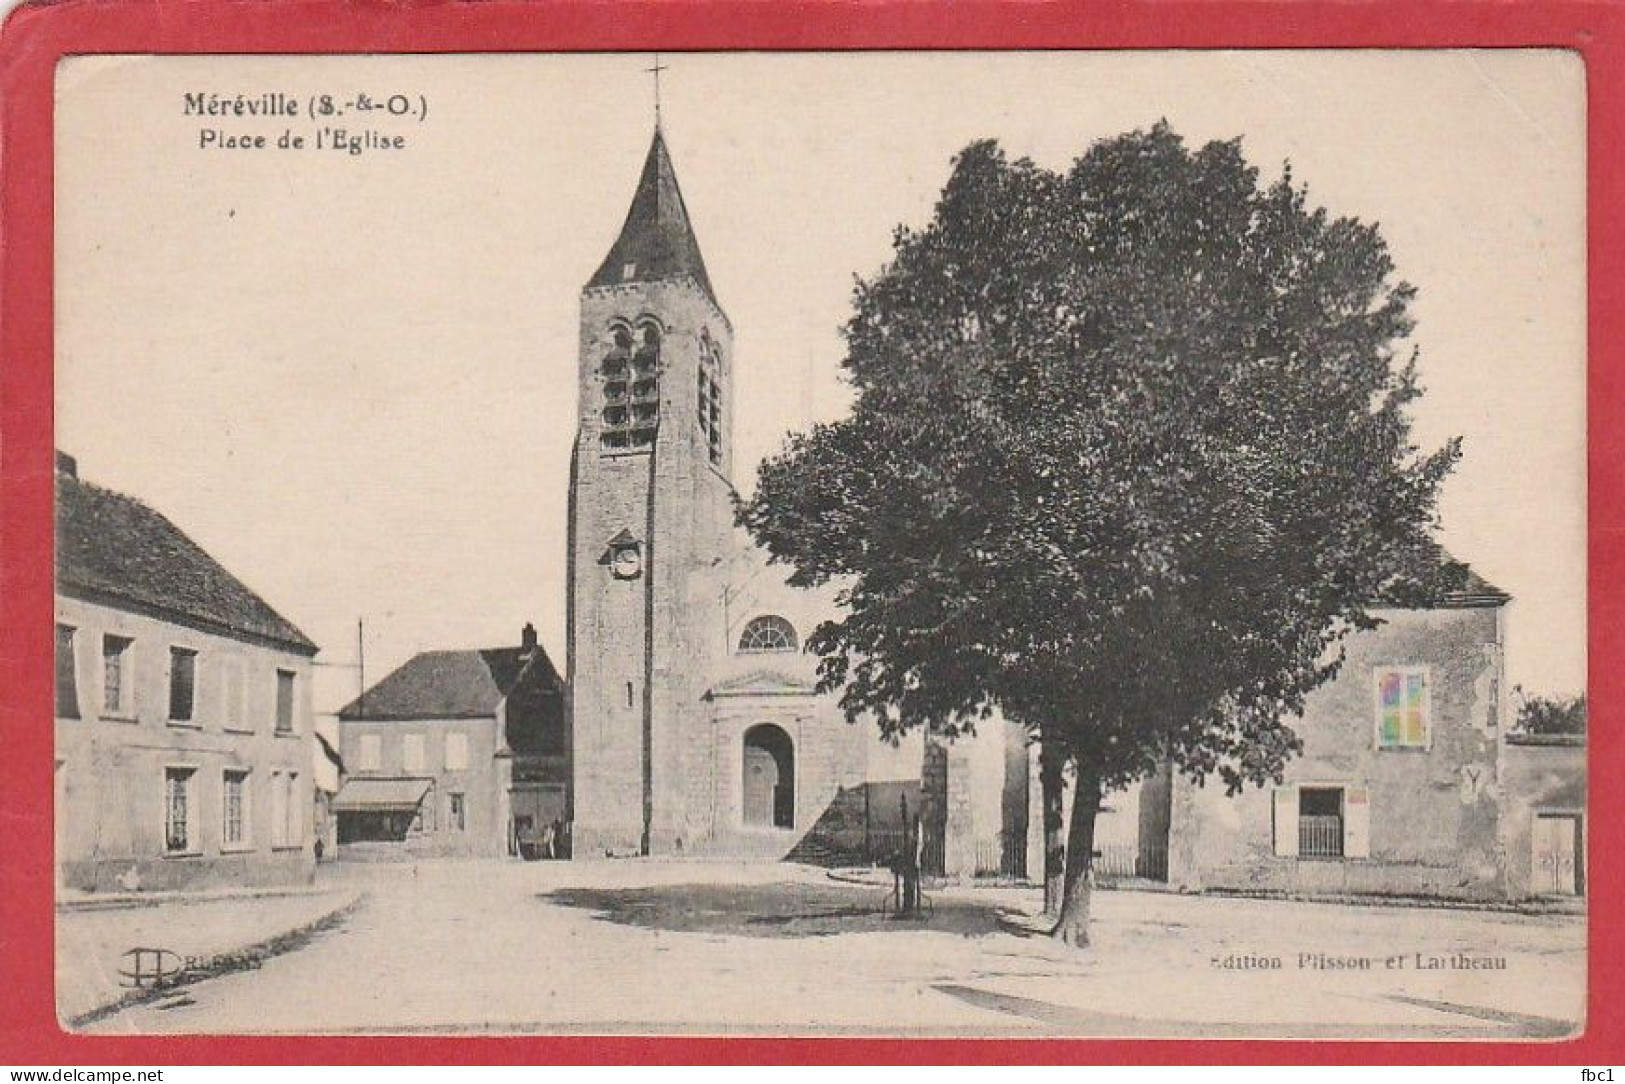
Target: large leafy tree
{"type": "Point", "coordinates": [1129, 455]}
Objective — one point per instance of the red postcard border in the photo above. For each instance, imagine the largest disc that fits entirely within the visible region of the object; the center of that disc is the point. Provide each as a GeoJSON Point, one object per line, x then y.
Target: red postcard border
{"type": "Point", "coordinates": [36, 36]}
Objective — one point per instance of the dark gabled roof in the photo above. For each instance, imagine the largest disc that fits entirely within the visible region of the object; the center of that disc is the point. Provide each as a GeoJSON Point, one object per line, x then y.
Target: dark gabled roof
{"type": "Point", "coordinates": [1451, 585]}
{"type": "Point", "coordinates": [114, 550]}
{"type": "Point", "coordinates": [657, 240]}
{"type": "Point", "coordinates": [462, 684]}
{"type": "Point", "coordinates": [1457, 586]}
{"type": "Point", "coordinates": [1475, 590]}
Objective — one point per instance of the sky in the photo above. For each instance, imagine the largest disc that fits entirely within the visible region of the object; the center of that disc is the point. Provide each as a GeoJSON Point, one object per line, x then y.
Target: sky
{"type": "Point", "coordinates": [352, 378]}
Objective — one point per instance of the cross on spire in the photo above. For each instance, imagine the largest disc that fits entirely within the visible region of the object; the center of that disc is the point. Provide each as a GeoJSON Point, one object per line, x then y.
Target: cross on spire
{"type": "Point", "coordinates": [655, 71]}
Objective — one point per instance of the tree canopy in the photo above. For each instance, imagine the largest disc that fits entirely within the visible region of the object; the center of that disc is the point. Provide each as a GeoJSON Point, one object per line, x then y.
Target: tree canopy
{"type": "Point", "coordinates": [1550, 714]}
{"type": "Point", "coordinates": [1130, 453]}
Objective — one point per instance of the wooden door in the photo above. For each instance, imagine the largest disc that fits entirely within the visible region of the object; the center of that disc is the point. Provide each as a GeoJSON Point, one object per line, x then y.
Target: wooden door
{"type": "Point", "coordinates": [1557, 855]}
{"type": "Point", "coordinates": [761, 783]}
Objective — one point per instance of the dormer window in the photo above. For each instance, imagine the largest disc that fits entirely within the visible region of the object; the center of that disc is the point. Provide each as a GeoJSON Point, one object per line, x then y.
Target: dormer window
{"type": "Point", "coordinates": [768, 633]}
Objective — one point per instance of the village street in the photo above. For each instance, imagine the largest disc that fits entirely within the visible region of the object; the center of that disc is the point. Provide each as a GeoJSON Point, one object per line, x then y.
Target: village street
{"type": "Point", "coordinates": [684, 947]}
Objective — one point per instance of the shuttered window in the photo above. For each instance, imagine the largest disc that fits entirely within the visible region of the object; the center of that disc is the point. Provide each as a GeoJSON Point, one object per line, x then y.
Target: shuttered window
{"type": "Point", "coordinates": [456, 751]}
{"type": "Point", "coordinates": [413, 752]}
{"type": "Point", "coordinates": [233, 698]}
{"type": "Point", "coordinates": [1404, 708]}
{"type": "Point", "coordinates": [1321, 822]}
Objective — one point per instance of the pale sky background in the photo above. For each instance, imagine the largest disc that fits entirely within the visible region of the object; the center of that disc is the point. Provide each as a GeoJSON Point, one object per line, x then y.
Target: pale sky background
{"type": "Point", "coordinates": [352, 379]}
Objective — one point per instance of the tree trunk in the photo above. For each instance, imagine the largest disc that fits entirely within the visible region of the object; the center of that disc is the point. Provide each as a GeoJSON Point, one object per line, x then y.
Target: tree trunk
{"type": "Point", "coordinates": [1049, 777]}
{"type": "Point", "coordinates": [1073, 926]}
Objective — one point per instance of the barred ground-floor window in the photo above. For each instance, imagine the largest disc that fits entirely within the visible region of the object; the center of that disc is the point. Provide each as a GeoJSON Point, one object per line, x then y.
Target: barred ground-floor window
{"type": "Point", "coordinates": [1321, 821]}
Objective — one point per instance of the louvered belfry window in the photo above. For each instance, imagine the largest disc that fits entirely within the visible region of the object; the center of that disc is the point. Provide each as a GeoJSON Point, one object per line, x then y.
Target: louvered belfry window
{"type": "Point", "coordinates": [631, 374]}
{"type": "Point", "coordinates": [709, 396]}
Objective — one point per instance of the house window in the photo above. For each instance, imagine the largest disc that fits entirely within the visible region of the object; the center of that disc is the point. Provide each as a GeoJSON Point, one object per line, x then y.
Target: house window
{"type": "Point", "coordinates": [1403, 708]}
{"type": "Point", "coordinates": [284, 701]}
{"type": "Point", "coordinates": [117, 679]}
{"type": "Point", "coordinates": [456, 751]}
{"type": "Point", "coordinates": [233, 698]}
{"type": "Point", "coordinates": [182, 683]}
{"type": "Point", "coordinates": [455, 819]}
{"type": "Point", "coordinates": [372, 753]}
{"type": "Point", "coordinates": [768, 633]}
{"type": "Point", "coordinates": [413, 752]}
{"type": "Point", "coordinates": [1320, 822]}
{"type": "Point", "coordinates": [279, 811]}
{"type": "Point", "coordinates": [234, 808]}
{"type": "Point", "coordinates": [178, 811]}
{"type": "Point", "coordinates": [293, 827]}
{"type": "Point", "coordinates": [287, 823]}
{"type": "Point", "coordinates": [67, 683]}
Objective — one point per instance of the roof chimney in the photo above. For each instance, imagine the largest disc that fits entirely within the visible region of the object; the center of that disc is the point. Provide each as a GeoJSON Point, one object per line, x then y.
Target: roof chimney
{"type": "Point", "coordinates": [67, 465]}
{"type": "Point", "coordinates": [527, 637]}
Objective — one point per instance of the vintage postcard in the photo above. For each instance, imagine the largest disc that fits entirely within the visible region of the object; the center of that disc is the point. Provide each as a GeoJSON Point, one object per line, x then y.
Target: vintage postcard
{"type": "Point", "coordinates": [969, 544]}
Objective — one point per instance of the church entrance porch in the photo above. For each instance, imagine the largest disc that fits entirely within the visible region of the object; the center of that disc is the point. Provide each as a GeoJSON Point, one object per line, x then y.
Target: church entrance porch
{"type": "Point", "coordinates": [769, 786]}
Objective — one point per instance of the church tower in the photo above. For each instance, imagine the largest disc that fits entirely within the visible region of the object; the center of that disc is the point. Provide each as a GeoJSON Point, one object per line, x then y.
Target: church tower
{"type": "Point", "coordinates": [650, 515]}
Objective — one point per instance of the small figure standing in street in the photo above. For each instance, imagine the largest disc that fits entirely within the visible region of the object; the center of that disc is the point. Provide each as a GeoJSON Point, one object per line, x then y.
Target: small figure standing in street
{"type": "Point", "coordinates": [906, 865]}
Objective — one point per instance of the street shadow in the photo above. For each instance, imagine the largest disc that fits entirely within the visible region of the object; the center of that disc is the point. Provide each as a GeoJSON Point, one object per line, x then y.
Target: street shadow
{"type": "Point", "coordinates": [779, 910]}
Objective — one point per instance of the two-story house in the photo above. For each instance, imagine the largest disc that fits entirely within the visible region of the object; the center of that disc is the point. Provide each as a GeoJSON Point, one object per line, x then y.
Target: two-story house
{"type": "Point", "coordinates": [455, 753]}
{"type": "Point", "coordinates": [1398, 788]}
{"type": "Point", "coordinates": [182, 709]}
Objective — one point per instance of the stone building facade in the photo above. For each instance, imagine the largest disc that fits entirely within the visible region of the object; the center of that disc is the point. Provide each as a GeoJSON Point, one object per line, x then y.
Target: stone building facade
{"type": "Point", "coordinates": [1544, 819]}
{"type": "Point", "coordinates": [1398, 787]}
{"type": "Point", "coordinates": [694, 727]}
{"type": "Point", "coordinates": [183, 721]}
{"type": "Point", "coordinates": [455, 754]}
{"type": "Point", "coordinates": [1407, 785]}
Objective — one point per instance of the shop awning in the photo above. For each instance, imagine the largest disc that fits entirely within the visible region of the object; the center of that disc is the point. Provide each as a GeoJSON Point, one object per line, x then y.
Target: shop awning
{"type": "Point", "coordinates": [379, 795]}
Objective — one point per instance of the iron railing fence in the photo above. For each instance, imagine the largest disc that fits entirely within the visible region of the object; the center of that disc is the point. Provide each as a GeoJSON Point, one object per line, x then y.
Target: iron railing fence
{"type": "Point", "coordinates": [1131, 860]}
{"type": "Point", "coordinates": [1320, 836]}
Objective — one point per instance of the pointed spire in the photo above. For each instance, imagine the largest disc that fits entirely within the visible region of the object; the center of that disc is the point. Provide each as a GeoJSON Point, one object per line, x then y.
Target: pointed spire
{"type": "Point", "coordinates": [657, 241]}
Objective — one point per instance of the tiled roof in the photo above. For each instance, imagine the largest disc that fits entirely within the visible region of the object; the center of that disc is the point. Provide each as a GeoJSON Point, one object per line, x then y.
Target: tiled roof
{"type": "Point", "coordinates": [462, 684]}
{"type": "Point", "coordinates": [657, 240]}
{"type": "Point", "coordinates": [1475, 590]}
{"type": "Point", "coordinates": [1453, 585]}
{"type": "Point", "coordinates": [115, 550]}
